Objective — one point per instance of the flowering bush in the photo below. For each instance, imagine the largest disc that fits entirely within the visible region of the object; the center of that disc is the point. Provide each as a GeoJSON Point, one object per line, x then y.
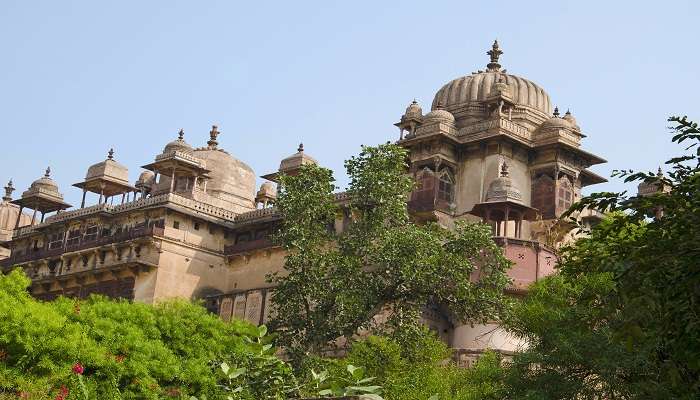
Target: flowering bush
{"type": "Point", "coordinates": [106, 349]}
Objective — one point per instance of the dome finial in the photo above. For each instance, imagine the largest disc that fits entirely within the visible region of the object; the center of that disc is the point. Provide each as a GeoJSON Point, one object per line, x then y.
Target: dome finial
{"type": "Point", "coordinates": [8, 191]}
{"type": "Point", "coordinates": [659, 174]}
{"type": "Point", "coordinates": [110, 154]}
{"type": "Point", "coordinates": [48, 172]}
{"type": "Point", "coordinates": [300, 149]}
{"type": "Point", "coordinates": [181, 134]}
{"type": "Point", "coordinates": [556, 112]}
{"type": "Point", "coordinates": [494, 53]}
{"type": "Point", "coordinates": [213, 134]}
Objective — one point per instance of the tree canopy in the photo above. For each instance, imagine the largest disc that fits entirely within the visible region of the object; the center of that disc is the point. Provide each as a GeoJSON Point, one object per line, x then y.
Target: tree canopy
{"type": "Point", "coordinates": [335, 283]}
{"type": "Point", "coordinates": [621, 319]}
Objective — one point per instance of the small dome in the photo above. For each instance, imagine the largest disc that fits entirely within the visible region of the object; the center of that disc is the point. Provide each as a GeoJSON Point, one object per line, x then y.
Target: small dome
{"type": "Point", "coordinates": [109, 169]}
{"type": "Point", "coordinates": [555, 122]}
{"type": "Point", "coordinates": [296, 160]}
{"type": "Point", "coordinates": [45, 183]}
{"type": "Point", "coordinates": [268, 190]}
{"type": "Point", "coordinates": [178, 145]}
{"type": "Point", "coordinates": [146, 178]}
{"type": "Point", "coordinates": [503, 189]}
{"type": "Point", "coordinates": [439, 114]}
{"type": "Point", "coordinates": [571, 120]}
{"type": "Point", "coordinates": [413, 111]}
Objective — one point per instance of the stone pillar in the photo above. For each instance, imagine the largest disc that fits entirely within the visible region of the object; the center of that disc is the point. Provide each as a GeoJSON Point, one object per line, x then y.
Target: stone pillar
{"type": "Point", "coordinates": [172, 181]}
{"type": "Point", "coordinates": [102, 190]}
{"type": "Point", "coordinates": [505, 227]}
{"type": "Point", "coordinates": [19, 216]}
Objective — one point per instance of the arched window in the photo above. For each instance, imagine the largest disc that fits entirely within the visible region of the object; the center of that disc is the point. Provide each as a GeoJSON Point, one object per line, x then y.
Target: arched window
{"type": "Point", "coordinates": [565, 196]}
{"type": "Point", "coordinates": [445, 186]}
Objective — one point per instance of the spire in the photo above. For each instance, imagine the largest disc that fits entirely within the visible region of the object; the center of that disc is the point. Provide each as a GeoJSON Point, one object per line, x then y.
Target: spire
{"type": "Point", "coordinates": [556, 112]}
{"type": "Point", "coordinates": [48, 172]}
{"type": "Point", "coordinates": [8, 191]}
{"type": "Point", "coordinates": [212, 143]}
{"type": "Point", "coordinates": [110, 154]}
{"type": "Point", "coordinates": [494, 53]}
{"type": "Point", "coordinates": [181, 134]}
{"type": "Point", "coordinates": [568, 113]}
{"type": "Point", "coordinates": [659, 174]}
{"type": "Point", "coordinates": [300, 149]}
{"type": "Point", "coordinates": [504, 169]}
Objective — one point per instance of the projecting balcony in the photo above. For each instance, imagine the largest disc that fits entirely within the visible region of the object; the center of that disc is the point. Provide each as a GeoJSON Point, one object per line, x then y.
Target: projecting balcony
{"type": "Point", "coordinates": [429, 204]}
{"type": "Point", "coordinates": [249, 246]}
{"type": "Point", "coordinates": [82, 244]}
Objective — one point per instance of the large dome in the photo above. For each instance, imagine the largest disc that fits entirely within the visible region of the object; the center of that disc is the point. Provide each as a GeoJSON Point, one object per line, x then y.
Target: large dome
{"type": "Point", "coordinates": [231, 179]}
{"type": "Point", "coordinates": [477, 87]}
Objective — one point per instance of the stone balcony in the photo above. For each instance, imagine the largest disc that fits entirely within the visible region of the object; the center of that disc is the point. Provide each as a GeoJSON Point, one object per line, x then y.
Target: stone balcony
{"type": "Point", "coordinates": [249, 246]}
{"type": "Point", "coordinates": [46, 253]}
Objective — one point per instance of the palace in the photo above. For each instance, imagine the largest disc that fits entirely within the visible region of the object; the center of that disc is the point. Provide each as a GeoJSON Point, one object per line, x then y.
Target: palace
{"type": "Point", "coordinates": [195, 225]}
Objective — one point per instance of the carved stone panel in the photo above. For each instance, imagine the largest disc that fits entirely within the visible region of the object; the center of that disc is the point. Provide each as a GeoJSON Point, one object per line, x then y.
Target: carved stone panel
{"type": "Point", "coordinates": [239, 307]}
{"type": "Point", "coordinates": [543, 196]}
{"type": "Point", "coordinates": [252, 309]}
{"type": "Point", "coordinates": [267, 311]}
{"type": "Point", "coordinates": [226, 309]}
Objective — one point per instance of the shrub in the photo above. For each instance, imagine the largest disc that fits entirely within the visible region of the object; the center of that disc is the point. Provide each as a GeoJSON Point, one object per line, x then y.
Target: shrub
{"type": "Point", "coordinates": [114, 349]}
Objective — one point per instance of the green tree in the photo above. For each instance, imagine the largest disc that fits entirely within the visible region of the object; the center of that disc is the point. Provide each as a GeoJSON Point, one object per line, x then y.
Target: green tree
{"type": "Point", "coordinates": [334, 284]}
{"type": "Point", "coordinates": [621, 320]}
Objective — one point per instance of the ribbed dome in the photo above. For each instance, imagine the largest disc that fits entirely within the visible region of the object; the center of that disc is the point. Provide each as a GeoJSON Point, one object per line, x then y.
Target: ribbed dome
{"type": "Point", "coordinates": [477, 87]}
{"type": "Point", "coordinates": [413, 110]}
{"type": "Point", "coordinates": [178, 145]}
{"type": "Point", "coordinates": [44, 184]}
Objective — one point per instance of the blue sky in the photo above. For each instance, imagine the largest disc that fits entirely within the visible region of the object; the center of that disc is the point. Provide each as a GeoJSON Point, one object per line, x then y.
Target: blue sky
{"type": "Point", "coordinates": [77, 78]}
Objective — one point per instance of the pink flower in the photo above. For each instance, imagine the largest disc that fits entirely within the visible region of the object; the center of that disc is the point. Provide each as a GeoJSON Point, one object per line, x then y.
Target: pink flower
{"type": "Point", "coordinates": [78, 369]}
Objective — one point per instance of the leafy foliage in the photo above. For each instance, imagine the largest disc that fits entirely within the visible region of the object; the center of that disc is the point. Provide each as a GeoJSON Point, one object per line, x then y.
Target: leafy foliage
{"type": "Point", "coordinates": [122, 350]}
{"type": "Point", "coordinates": [335, 284]}
{"type": "Point", "coordinates": [422, 371]}
{"type": "Point", "coordinates": [621, 321]}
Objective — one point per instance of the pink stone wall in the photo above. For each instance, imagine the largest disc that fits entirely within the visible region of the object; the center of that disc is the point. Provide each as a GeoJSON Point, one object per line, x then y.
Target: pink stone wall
{"type": "Point", "coordinates": [531, 262]}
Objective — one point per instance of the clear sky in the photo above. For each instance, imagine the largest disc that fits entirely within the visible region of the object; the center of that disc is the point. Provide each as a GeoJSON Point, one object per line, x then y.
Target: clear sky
{"type": "Point", "coordinates": [77, 78]}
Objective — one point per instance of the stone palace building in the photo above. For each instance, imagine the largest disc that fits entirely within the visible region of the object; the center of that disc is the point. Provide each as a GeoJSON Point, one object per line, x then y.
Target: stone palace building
{"type": "Point", "coordinates": [194, 224]}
